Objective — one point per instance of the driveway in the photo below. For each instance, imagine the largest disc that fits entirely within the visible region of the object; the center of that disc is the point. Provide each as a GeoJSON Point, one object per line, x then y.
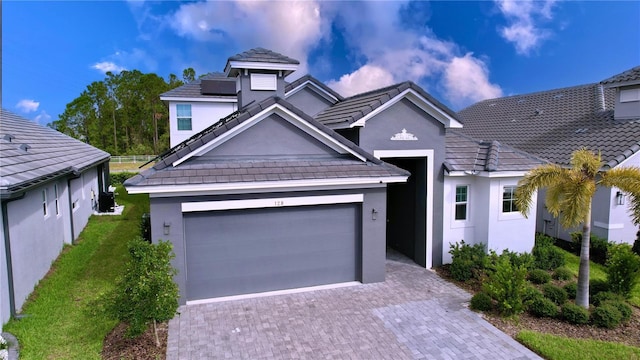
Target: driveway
{"type": "Point", "coordinates": [414, 314]}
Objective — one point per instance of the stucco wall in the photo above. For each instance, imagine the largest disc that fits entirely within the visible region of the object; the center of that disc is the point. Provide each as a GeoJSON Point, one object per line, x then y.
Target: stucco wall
{"type": "Point", "coordinates": [456, 230]}
{"type": "Point", "coordinates": [308, 101]}
{"type": "Point", "coordinates": [626, 110]}
{"type": "Point", "coordinates": [203, 114]}
{"type": "Point", "coordinates": [5, 311]}
{"type": "Point", "coordinates": [84, 194]}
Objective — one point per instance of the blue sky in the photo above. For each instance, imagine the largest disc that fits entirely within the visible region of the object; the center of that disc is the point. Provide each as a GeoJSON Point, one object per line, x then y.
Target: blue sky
{"type": "Point", "coordinates": [459, 52]}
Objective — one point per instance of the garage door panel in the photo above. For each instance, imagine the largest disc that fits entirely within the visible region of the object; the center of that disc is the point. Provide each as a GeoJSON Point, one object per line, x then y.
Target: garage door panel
{"type": "Point", "coordinates": [245, 251]}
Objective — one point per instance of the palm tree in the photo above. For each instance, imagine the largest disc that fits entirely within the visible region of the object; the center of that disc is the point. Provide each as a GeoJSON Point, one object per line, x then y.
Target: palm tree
{"type": "Point", "coordinates": [570, 192]}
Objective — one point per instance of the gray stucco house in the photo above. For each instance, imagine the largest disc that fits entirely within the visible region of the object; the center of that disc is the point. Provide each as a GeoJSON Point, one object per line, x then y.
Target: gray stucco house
{"type": "Point", "coordinates": [49, 186]}
{"type": "Point", "coordinates": [603, 117]}
{"type": "Point", "coordinates": [274, 185]}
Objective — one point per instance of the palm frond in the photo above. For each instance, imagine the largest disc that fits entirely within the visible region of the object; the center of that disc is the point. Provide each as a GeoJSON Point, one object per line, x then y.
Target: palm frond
{"type": "Point", "coordinates": [626, 179]}
{"type": "Point", "coordinates": [577, 200]}
{"type": "Point", "coordinates": [587, 161]}
{"type": "Point", "coordinates": [541, 177]}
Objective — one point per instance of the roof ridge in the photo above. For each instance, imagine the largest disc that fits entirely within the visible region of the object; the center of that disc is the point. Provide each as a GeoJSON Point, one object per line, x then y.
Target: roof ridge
{"type": "Point", "coordinates": [380, 90]}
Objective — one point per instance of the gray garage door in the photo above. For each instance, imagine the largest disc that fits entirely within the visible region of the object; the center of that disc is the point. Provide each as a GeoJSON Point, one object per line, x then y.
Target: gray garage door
{"type": "Point", "coordinates": [245, 251]}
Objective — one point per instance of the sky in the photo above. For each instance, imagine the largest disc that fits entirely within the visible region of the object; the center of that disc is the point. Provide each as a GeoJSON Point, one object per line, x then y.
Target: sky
{"type": "Point", "coordinates": [459, 52]}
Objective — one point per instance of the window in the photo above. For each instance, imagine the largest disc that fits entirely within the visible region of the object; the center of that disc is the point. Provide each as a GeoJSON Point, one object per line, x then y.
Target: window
{"type": "Point", "coordinates": [55, 192]}
{"type": "Point", "coordinates": [629, 95]}
{"type": "Point", "coordinates": [44, 202]}
{"type": "Point", "coordinates": [264, 82]}
{"type": "Point", "coordinates": [509, 199]}
{"type": "Point", "coordinates": [184, 116]}
{"type": "Point", "coordinates": [461, 202]}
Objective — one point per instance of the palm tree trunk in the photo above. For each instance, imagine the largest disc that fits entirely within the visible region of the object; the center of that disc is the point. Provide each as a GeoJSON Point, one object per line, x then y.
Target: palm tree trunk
{"type": "Point", "coordinates": [582, 295]}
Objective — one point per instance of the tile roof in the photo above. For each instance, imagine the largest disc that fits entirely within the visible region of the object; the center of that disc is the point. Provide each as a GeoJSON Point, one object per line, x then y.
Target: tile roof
{"type": "Point", "coordinates": [31, 153]}
{"type": "Point", "coordinates": [630, 76]}
{"type": "Point", "coordinates": [290, 169]}
{"type": "Point", "coordinates": [351, 109]}
{"type": "Point", "coordinates": [263, 55]}
{"type": "Point", "coordinates": [464, 153]}
{"type": "Point", "coordinates": [294, 84]}
{"type": "Point", "coordinates": [194, 90]}
{"type": "Point", "coordinates": [552, 124]}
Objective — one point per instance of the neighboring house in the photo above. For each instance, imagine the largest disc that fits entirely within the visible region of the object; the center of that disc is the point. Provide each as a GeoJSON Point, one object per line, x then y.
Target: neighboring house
{"type": "Point", "coordinates": [603, 117]}
{"type": "Point", "coordinates": [291, 191]}
{"type": "Point", "coordinates": [49, 186]}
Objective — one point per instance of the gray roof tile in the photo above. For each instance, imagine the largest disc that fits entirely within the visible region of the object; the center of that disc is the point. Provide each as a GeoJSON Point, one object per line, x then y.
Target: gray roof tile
{"type": "Point", "coordinates": [194, 89]}
{"type": "Point", "coordinates": [294, 84]}
{"type": "Point", "coordinates": [51, 153]}
{"type": "Point", "coordinates": [630, 76]}
{"type": "Point", "coordinates": [263, 55]}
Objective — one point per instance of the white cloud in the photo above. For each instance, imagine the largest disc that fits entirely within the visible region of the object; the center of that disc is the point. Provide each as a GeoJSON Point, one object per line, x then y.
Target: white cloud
{"type": "Point", "coordinates": [106, 66]}
{"type": "Point", "coordinates": [43, 118]}
{"type": "Point", "coordinates": [466, 78]}
{"type": "Point", "coordinates": [524, 17]}
{"type": "Point", "coordinates": [27, 105]}
{"type": "Point", "coordinates": [364, 79]}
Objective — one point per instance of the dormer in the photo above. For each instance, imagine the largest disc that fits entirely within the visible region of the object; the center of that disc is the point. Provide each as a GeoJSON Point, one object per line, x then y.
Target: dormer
{"type": "Point", "coordinates": [627, 85]}
{"type": "Point", "coordinates": [259, 74]}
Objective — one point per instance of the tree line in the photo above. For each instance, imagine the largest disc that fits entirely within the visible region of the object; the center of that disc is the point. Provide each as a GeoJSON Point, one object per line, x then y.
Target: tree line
{"type": "Point", "coordinates": [122, 114]}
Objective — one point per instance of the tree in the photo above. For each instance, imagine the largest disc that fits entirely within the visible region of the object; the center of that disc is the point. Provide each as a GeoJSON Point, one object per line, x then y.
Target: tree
{"type": "Point", "coordinates": [188, 75]}
{"type": "Point", "coordinates": [570, 194]}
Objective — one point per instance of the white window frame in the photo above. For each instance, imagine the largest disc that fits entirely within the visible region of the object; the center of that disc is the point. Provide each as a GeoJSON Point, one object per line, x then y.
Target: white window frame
{"type": "Point", "coordinates": [465, 202]}
{"type": "Point", "coordinates": [513, 215]}
{"type": "Point", "coordinates": [267, 82]}
{"type": "Point", "coordinates": [45, 207]}
{"type": "Point", "coordinates": [629, 95]}
{"type": "Point", "coordinates": [190, 117]}
{"type": "Point", "coordinates": [511, 200]}
{"type": "Point", "coordinates": [55, 192]}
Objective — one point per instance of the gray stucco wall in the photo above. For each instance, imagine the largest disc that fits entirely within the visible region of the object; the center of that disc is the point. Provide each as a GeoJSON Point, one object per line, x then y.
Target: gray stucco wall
{"type": "Point", "coordinates": [377, 133]}
{"type": "Point", "coordinates": [626, 110]}
{"type": "Point", "coordinates": [246, 95]}
{"type": "Point", "coordinates": [308, 101]}
{"type": "Point", "coordinates": [5, 311]}
{"type": "Point", "coordinates": [168, 210]}
{"type": "Point", "coordinates": [84, 192]}
{"type": "Point", "coordinates": [283, 139]}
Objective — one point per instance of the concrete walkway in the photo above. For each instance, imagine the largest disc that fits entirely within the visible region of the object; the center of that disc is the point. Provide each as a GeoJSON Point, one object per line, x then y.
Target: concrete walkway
{"type": "Point", "coordinates": [414, 314]}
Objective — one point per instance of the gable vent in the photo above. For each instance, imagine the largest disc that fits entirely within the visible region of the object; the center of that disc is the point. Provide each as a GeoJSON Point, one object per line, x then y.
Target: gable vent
{"type": "Point", "coordinates": [264, 82]}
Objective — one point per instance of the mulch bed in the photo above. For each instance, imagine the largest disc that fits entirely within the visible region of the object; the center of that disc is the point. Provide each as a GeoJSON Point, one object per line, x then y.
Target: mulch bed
{"type": "Point", "coordinates": [117, 346]}
{"type": "Point", "coordinates": [628, 333]}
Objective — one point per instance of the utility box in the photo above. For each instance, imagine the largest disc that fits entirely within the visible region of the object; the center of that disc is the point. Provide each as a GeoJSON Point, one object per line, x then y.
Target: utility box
{"type": "Point", "coordinates": [106, 202]}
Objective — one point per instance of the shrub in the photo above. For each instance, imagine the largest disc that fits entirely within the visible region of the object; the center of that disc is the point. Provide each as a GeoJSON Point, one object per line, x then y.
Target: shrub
{"type": "Point", "coordinates": [467, 261]}
{"type": "Point", "coordinates": [146, 292]}
{"type": "Point", "coordinates": [636, 244]}
{"type": "Point", "coordinates": [543, 307]}
{"type": "Point", "coordinates": [555, 293]}
{"type": "Point", "coordinates": [145, 227]}
{"type": "Point", "coordinates": [520, 259]}
{"type": "Point", "coordinates": [623, 269]}
{"type": "Point", "coordinates": [575, 314]}
{"type": "Point", "coordinates": [120, 177]}
{"type": "Point", "coordinates": [599, 298]}
{"type": "Point", "coordinates": [539, 276]}
{"type": "Point", "coordinates": [562, 273]}
{"type": "Point", "coordinates": [547, 256]}
{"type": "Point", "coordinates": [598, 247]}
{"type": "Point", "coordinates": [597, 286]}
{"type": "Point", "coordinates": [606, 316]}
{"type": "Point", "coordinates": [507, 285]}
{"type": "Point", "coordinates": [571, 289]}
{"type": "Point", "coordinates": [623, 307]}
{"type": "Point", "coordinates": [482, 302]}
{"type": "Point", "coordinates": [530, 294]}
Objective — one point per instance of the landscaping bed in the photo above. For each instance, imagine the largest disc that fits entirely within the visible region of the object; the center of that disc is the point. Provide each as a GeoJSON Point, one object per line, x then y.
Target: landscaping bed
{"type": "Point", "coordinates": [117, 346]}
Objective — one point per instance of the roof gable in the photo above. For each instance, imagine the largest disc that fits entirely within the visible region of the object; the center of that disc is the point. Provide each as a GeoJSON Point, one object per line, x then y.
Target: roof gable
{"type": "Point", "coordinates": [316, 85]}
{"type": "Point", "coordinates": [629, 77]}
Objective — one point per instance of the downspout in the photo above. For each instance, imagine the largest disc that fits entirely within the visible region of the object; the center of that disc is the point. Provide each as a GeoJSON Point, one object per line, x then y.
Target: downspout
{"type": "Point", "coordinates": [7, 250]}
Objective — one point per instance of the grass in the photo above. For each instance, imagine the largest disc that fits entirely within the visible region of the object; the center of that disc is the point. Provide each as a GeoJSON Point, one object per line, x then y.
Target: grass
{"type": "Point", "coordinates": [561, 348]}
{"type": "Point", "coordinates": [132, 167]}
{"type": "Point", "coordinates": [60, 321]}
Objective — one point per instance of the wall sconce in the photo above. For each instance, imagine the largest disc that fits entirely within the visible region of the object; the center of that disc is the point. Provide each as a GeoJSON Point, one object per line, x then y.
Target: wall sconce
{"type": "Point", "coordinates": [374, 214]}
{"type": "Point", "coordinates": [620, 198]}
{"type": "Point", "coordinates": [167, 228]}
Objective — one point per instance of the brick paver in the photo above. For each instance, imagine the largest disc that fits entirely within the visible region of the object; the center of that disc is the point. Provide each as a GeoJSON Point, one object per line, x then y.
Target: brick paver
{"type": "Point", "coordinates": [414, 314]}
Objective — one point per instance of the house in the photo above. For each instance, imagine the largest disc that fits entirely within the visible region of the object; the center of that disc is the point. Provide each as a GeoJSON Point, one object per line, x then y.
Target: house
{"type": "Point", "coordinates": [49, 186]}
{"type": "Point", "coordinates": [603, 117]}
{"type": "Point", "coordinates": [275, 185]}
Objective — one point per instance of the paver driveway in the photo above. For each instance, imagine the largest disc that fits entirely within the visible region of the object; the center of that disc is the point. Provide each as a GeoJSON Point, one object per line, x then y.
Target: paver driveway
{"type": "Point", "coordinates": [414, 314]}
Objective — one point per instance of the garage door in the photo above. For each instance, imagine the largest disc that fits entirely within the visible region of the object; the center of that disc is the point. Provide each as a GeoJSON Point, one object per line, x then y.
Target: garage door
{"type": "Point", "coordinates": [246, 251]}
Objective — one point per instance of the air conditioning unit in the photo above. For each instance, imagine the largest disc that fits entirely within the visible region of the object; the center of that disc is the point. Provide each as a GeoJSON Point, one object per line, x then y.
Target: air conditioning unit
{"type": "Point", "coordinates": [106, 202]}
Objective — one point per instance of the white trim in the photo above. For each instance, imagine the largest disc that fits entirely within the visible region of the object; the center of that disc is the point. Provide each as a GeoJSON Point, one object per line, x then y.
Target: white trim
{"type": "Point", "coordinates": [624, 162]}
{"type": "Point", "coordinates": [629, 95]}
{"type": "Point", "coordinates": [272, 293]}
{"type": "Point", "coordinates": [608, 226]}
{"type": "Point", "coordinates": [255, 65]}
{"type": "Point", "coordinates": [262, 185]}
{"type": "Point", "coordinates": [271, 202]}
{"type": "Point", "coordinates": [320, 91]}
{"type": "Point", "coordinates": [487, 174]}
{"type": "Point", "coordinates": [287, 115]}
{"type": "Point", "coordinates": [198, 99]}
{"type": "Point", "coordinates": [424, 104]}
{"type": "Point", "coordinates": [428, 153]}
{"type": "Point", "coordinates": [260, 82]}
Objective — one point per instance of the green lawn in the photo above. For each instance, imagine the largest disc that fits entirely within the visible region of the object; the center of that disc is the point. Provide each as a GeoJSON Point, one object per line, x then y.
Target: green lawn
{"type": "Point", "coordinates": [60, 322]}
{"type": "Point", "coordinates": [553, 347]}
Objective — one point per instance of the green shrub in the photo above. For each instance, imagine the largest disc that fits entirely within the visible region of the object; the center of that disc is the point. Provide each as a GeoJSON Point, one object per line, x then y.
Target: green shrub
{"type": "Point", "coordinates": [571, 289]}
{"type": "Point", "coordinates": [543, 307]}
{"type": "Point", "coordinates": [623, 307]}
{"type": "Point", "coordinates": [555, 293]}
{"type": "Point", "coordinates": [575, 314]}
{"type": "Point", "coordinates": [145, 227]}
{"type": "Point", "coordinates": [530, 294]}
{"type": "Point", "coordinates": [467, 261]}
{"type": "Point", "coordinates": [539, 276]}
{"type": "Point", "coordinates": [547, 256]}
{"type": "Point", "coordinates": [520, 259]}
{"type": "Point", "coordinates": [597, 286]}
{"type": "Point", "coordinates": [507, 285]}
{"type": "Point", "coordinates": [482, 302]}
{"type": "Point", "coordinates": [606, 316]}
{"type": "Point", "coordinates": [623, 269]}
{"type": "Point", "coordinates": [146, 292]}
{"type": "Point", "coordinates": [636, 244]}
{"type": "Point", "coordinates": [598, 247]}
{"type": "Point", "coordinates": [599, 298]}
{"type": "Point", "coordinates": [120, 177]}
{"type": "Point", "coordinates": [562, 273]}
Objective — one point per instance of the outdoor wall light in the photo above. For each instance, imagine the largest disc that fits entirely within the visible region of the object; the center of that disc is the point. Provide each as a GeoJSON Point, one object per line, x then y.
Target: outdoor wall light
{"type": "Point", "coordinates": [374, 214]}
{"type": "Point", "coordinates": [167, 228]}
{"type": "Point", "coordinates": [620, 198]}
